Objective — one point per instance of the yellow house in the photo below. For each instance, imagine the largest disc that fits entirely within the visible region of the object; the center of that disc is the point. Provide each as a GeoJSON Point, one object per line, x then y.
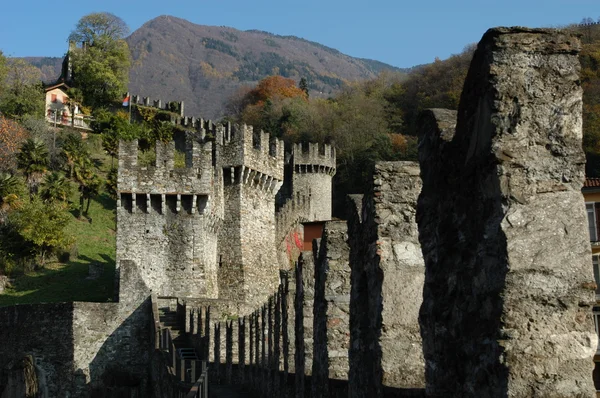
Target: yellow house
{"type": "Point", "coordinates": [58, 109]}
{"type": "Point", "coordinates": [57, 104]}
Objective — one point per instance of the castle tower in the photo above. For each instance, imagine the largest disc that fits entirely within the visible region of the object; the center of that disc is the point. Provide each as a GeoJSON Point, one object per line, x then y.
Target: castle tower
{"type": "Point", "coordinates": [313, 168]}
{"type": "Point", "coordinates": [168, 219]}
{"type": "Point", "coordinates": [252, 168]}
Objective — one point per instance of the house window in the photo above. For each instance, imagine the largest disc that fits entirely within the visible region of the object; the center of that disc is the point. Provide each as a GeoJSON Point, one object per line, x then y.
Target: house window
{"type": "Point", "coordinates": [53, 97]}
{"type": "Point", "coordinates": [596, 265]}
{"type": "Point", "coordinates": [597, 323]}
{"type": "Point", "coordinates": [65, 99]}
{"type": "Point", "coordinates": [591, 213]}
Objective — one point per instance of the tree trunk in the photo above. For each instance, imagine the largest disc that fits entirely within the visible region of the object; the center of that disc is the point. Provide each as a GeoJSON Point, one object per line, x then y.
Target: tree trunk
{"type": "Point", "coordinates": [81, 200]}
{"type": "Point", "coordinates": [87, 209]}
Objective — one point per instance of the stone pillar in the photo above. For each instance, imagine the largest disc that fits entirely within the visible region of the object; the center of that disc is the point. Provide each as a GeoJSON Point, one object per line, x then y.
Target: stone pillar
{"type": "Point", "coordinates": [303, 320]}
{"type": "Point", "coordinates": [508, 283]}
{"type": "Point", "coordinates": [332, 308]}
{"type": "Point", "coordinates": [387, 282]}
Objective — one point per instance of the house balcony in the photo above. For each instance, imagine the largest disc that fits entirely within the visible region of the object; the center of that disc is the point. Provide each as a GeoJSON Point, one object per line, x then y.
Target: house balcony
{"type": "Point", "coordinates": [79, 122]}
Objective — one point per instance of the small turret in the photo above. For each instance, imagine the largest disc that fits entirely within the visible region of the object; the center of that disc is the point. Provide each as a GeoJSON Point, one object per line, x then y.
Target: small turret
{"type": "Point", "coordinates": [313, 166]}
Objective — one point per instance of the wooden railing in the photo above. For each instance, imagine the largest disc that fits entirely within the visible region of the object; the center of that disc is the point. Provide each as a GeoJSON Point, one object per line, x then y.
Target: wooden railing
{"type": "Point", "coordinates": [200, 388]}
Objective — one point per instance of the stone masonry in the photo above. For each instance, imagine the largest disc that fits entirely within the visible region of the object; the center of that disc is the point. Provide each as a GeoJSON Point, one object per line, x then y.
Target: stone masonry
{"type": "Point", "coordinates": [387, 280]}
{"type": "Point", "coordinates": [252, 175]}
{"type": "Point", "coordinates": [508, 284]}
{"type": "Point", "coordinates": [313, 167]}
{"type": "Point", "coordinates": [331, 308]}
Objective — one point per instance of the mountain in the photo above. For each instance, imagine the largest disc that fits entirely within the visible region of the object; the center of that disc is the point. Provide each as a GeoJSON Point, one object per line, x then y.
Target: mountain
{"type": "Point", "coordinates": [175, 60]}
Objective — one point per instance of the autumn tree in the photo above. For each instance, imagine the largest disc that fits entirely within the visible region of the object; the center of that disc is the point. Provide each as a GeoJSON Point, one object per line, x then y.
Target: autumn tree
{"type": "Point", "coordinates": [12, 136]}
{"type": "Point", "coordinates": [101, 64]}
{"type": "Point", "coordinates": [264, 106]}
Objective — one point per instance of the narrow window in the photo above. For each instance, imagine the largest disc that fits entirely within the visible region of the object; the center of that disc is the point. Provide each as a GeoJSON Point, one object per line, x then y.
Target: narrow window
{"type": "Point", "coordinates": [597, 323]}
{"type": "Point", "coordinates": [53, 97]}
{"type": "Point", "coordinates": [592, 221]}
{"type": "Point", "coordinates": [596, 265]}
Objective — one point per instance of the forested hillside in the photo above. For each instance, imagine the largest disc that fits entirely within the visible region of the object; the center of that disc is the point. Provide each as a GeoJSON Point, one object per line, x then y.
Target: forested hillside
{"type": "Point", "coordinates": [376, 119]}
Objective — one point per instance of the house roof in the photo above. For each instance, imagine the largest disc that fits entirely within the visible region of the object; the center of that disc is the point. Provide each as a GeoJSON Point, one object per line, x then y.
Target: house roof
{"type": "Point", "coordinates": [62, 85]}
{"type": "Point", "coordinates": [591, 183]}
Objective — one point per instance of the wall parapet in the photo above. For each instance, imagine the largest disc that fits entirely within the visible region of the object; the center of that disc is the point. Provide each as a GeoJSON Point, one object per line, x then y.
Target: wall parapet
{"type": "Point", "coordinates": [314, 158]}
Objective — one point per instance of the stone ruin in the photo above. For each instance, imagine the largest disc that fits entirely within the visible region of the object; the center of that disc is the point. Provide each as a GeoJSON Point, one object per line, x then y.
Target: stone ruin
{"type": "Point", "coordinates": [508, 283]}
{"type": "Point", "coordinates": [465, 275]}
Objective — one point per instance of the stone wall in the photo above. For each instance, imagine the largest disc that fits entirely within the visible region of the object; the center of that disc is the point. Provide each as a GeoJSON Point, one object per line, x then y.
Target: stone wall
{"type": "Point", "coordinates": [46, 333]}
{"type": "Point", "coordinates": [249, 269]}
{"type": "Point", "coordinates": [167, 219]}
{"type": "Point", "coordinates": [387, 280]}
{"type": "Point", "coordinates": [331, 309]}
{"type": "Point", "coordinates": [112, 347]}
{"type": "Point", "coordinates": [508, 283]}
{"type": "Point", "coordinates": [79, 349]}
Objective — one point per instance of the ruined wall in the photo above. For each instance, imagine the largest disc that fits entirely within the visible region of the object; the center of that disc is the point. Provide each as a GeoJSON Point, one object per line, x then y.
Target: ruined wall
{"type": "Point", "coordinates": [387, 280]}
{"type": "Point", "coordinates": [331, 309]}
{"type": "Point", "coordinates": [46, 333]}
{"type": "Point", "coordinates": [313, 169]}
{"type": "Point", "coordinates": [508, 286]}
{"type": "Point", "coordinates": [168, 220]}
{"type": "Point", "coordinates": [79, 349]}
{"type": "Point", "coordinates": [112, 347]}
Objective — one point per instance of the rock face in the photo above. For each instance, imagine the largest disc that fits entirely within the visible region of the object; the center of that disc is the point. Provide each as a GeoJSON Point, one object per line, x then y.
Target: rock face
{"type": "Point", "coordinates": [387, 281]}
{"type": "Point", "coordinates": [503, 228]}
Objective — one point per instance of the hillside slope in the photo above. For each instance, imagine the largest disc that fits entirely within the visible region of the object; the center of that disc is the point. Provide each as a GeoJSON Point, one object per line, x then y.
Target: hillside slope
{"type": "Point", "coordinates": [173, 60]}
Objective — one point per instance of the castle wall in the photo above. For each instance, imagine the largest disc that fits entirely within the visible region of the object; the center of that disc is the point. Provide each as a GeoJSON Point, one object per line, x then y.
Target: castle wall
{"type": "Point", "coordinates": [387, 281]}
{"type": "Point", "coordinates": [45, 332]}
{"type": "Point", "coordinates": [168, 219]}
{"type": "Point", "coordinates": [175, 252]}
{"type": "Point", "coordinates": [112, 348]}
{"type": "Point", "coordinates": [79, 349]}
{"type": "Point", "coordinates": [508, 283]}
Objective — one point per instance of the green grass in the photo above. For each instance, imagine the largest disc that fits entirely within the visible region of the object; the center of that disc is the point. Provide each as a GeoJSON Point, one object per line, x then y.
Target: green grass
{"type": "Point", "coordinates": [69, 282]}
{"type": "Point", "coordinates": [95, 242]}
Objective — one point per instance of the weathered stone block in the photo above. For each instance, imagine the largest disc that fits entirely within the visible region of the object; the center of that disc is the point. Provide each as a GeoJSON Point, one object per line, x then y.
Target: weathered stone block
{"type": "Point", "coordinates": [502, 226]}
{"type": "Point", "coordinates": [387, 280]}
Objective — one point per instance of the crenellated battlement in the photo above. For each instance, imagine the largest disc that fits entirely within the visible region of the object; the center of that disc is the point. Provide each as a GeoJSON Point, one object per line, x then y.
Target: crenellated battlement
{"type": "Point", "coordinates": [313, 158]}
{"type": "Point", "coordinates": [242, 146]}
{"type": "Point", "coordinates": [203, 209]}
{"type": "Point", "coordinates": [163, 177]}
{"type": "Point", "coordinates": [171, 106]}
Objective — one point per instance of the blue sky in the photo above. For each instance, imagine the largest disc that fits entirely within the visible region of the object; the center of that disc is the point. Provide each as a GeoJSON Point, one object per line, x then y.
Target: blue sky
{"type": "Point", "coordinates": [400, 33]}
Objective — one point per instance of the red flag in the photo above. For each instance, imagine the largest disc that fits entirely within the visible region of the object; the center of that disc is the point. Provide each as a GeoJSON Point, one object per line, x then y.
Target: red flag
{"type": "Point", "coordinates": [126, 101]}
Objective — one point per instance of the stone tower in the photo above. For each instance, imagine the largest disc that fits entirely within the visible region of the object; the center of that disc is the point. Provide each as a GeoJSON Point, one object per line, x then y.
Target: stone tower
{"type": "Point", "coordinates": [168, 218]}
{"type": "Point", "coordinates": [313, 167]}
{"type": "Point", "coordinates": [252, 168]}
